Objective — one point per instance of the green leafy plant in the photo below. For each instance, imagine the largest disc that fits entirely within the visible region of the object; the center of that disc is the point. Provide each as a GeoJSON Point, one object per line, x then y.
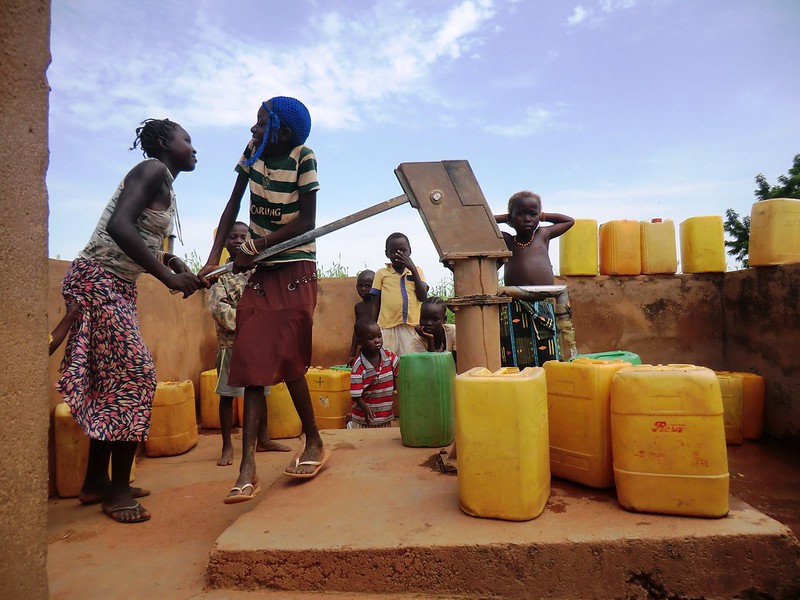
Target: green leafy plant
{"type": "Point", "coordinates": [445, 289]}
{"type": "Point", "coordinates": [193, 261]}
{"type": "Point", "coordinates": [337, 269]}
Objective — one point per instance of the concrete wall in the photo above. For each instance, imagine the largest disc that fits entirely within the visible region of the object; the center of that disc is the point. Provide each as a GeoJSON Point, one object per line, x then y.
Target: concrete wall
{"type": "Point", "coordinates": [25, 31]}
{"type": "Point", "coordinates": [663, 319]}
{"type": "Point", "coordinates": [762, 335]}
{"type": "Point", "coordinates": [333, 321]}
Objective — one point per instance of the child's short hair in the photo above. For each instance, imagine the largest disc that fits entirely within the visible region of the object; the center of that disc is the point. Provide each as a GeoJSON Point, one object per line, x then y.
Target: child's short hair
{"type": "Point", "coordinates": [149, 134]}
{"type": "Point", "coordinates": [366, 273]}
{"type": "Point", "coordinates": [519, 196]}
{"type": "Point", "coordinates": [396, 236]}
{"type": "Point", "coordinates": [362, 324]}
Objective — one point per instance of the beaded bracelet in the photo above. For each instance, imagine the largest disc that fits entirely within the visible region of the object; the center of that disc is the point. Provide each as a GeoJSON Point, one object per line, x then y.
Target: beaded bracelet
{"type": "Point", "coordinates": [171, 259]}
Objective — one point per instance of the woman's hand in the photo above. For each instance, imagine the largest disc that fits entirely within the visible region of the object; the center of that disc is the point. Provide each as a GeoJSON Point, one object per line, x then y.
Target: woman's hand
{"type": "Point", "coordinates": [243, 262]}
{"type": "Point", "coordinates": [177, 265]}
{"type": "Point", "coordinates": [188, 283]}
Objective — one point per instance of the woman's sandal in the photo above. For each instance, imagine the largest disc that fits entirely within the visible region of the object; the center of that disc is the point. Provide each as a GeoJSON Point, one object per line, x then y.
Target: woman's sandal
{"type": "Point", "coordinates": [317, 464]}
{"type": "Point", "coordinates": [240, 495]}
{"type": "Point", "coordinates": [142, 514]}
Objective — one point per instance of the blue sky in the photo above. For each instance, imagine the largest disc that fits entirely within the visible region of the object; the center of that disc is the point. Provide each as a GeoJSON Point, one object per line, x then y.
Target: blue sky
{"type": "Point", "coordinates": [609, 109]}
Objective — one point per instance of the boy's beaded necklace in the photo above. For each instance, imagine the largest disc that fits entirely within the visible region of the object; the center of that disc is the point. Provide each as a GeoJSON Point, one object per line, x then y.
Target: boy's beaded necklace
{"type": "Point", "coordinates": [523, 244]}
{"type": "Point", "coordinates": [528, 243]}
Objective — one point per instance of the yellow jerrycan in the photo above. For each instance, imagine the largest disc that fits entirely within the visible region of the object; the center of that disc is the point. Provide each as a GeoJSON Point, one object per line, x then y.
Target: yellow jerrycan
{"type": "Point", "coordinates": [579, 416]}
{"type": "Point", "coordinates": [330, 396]}
{"type": "Point", "coordinates": [282, 418]}
{"type": "Point", "coordinates": [577, 249]}
{"type": "Point", "coordinates": [702, 245]}
{"type": "Point", "coordinates": [173, 423]}
{"type": "Point", "coordinates": [668, 440]}
{"type": "Point", "coordinates": [620, 248]}
{"type": "Point", "coordinates": [730, 388]}
{"type": "Point", "coordinates": [774, 232]}
{"type": "Point", "coordinates": [753, 393]}
{"type": "Point", "coordinates": [659, 253]}
{"type": "Point", "coordinates": [209, 400]}
{"type": "Point", "coordinates": [502, 441]}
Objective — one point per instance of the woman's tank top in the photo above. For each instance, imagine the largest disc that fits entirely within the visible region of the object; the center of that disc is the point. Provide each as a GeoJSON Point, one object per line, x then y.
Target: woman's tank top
{"type": "Point", "coordinates": [152, 225]}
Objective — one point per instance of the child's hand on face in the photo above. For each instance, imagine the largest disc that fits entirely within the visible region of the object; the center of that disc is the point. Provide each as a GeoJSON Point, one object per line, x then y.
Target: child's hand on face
{"type": "Point", "coordinates": [422, 333]}
{"type": "Point", "coordinates": [404, 259]}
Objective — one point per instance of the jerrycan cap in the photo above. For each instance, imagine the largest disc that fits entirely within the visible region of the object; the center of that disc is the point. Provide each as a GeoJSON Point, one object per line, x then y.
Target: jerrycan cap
{"type": "Point", "coordinates": [656, 220]}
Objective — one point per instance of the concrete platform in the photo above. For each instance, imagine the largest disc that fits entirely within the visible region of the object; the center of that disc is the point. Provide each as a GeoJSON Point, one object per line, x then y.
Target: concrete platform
{"type": "Point", "coordinates": [381, 519]}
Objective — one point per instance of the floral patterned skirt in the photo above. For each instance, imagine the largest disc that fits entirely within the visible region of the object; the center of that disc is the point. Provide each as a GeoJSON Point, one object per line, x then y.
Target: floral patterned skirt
{"type": "Point", "coordinates": [108, 378]}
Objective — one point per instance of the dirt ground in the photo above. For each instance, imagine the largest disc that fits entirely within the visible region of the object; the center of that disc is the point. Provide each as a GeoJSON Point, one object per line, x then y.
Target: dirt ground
{"type": "Point", "coordinates": [90, 556]}
{"type": "Point", "coordinates": [766, 475]}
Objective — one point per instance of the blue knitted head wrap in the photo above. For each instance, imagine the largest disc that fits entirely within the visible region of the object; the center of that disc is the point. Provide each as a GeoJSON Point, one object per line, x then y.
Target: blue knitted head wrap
{"type": "Point", "coordinates": [284, 112]}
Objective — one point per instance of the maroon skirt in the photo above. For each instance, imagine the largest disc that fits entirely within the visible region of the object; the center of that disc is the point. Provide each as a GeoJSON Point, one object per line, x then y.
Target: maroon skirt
{"type": "Point", "coordinates": [273, 325]}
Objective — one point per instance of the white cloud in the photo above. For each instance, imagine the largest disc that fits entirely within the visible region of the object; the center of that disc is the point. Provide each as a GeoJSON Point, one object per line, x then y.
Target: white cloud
{"type": "Point", "coordinates": [535, 120]}
{"type": "Point", "coordinates": [579, 15]}
{"type": "Point", "coordinates": [347, 69]}
{"type": "Point", "coordinates": [612, 5]}
{"type": "Point", "coordinates": [589, 16]}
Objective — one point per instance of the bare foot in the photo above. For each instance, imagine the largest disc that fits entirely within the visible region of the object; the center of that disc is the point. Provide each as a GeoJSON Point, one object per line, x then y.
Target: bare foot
{"type": "Point", "coordinates": [226, 458]}
{"type": "Point", "coordinates": [271, 446]}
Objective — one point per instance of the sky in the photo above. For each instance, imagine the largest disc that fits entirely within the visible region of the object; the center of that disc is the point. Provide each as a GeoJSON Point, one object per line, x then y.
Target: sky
{"type": "Point", "coordinates": [610, 109]}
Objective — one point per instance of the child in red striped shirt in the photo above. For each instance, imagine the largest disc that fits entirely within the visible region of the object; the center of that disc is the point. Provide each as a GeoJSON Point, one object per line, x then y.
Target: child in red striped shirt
{"type": "Point", "coordinates": [372, 379]}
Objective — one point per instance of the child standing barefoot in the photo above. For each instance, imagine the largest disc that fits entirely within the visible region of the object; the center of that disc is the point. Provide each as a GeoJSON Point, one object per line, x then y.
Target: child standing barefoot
{"type": "Point", "coordinates": [225, 295]}
{"type": "Point", "coordinates": [274, 316]}
{"type": "Point", "coordinates": [400, 288]}
{"type": "Point", "coordinates": [108, 377]}
{"type": "Point", "coordinates": [364, 309]}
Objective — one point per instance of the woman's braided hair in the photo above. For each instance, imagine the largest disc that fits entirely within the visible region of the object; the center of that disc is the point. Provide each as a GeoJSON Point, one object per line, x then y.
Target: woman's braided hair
{"type": "Point", "coordinates": [151, 131]}
{"type": "Point", "coordinates": [436, 301]}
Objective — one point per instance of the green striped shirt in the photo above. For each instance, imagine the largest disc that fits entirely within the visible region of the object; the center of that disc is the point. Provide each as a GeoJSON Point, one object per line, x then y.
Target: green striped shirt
{"type": "Point", "coordinates": [275, 187]}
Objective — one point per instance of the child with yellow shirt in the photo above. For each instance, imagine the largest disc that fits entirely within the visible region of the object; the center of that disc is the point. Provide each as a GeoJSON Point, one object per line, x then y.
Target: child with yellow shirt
{"type": "Point", "coordinates": [400, 289]}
